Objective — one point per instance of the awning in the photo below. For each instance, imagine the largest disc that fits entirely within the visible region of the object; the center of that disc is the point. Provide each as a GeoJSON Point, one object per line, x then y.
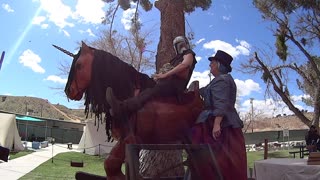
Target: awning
{"type": "Point", "coordinates": [27, 118]}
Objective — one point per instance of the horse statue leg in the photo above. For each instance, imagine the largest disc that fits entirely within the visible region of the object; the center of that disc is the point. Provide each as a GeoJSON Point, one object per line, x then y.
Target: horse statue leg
{"type": "Point", "coordinates": [113, 162]}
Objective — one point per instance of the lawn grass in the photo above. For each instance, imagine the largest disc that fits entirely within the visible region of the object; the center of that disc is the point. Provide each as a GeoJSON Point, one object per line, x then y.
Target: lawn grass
{"type": "Point", "coordinates": [14, 155]}
{"type": "Point", "coordinates": [258, 155]}
{"type": "Point", "coordinates": [61, 169]}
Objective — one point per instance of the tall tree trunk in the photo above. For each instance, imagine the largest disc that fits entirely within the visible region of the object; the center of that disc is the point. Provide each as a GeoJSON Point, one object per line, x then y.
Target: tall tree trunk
{"type": "Point", "coordinates": [154, 162]}
{"type": "Point", "coordinates": [172, 25]}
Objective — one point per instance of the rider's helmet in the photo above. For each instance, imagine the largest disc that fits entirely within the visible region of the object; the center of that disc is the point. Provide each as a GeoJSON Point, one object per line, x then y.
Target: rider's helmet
{"type": "Point", "coordinates": [180, 44]}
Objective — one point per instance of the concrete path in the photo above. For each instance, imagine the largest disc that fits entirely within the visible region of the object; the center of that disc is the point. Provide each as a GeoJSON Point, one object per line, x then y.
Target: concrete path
{"type": "Point", "coordinates": [16, 168]}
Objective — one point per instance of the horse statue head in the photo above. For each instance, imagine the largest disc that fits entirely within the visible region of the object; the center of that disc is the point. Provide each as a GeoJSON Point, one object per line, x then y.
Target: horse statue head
{"type": "Point", "coordinates": [162, 120]}
{"type": "Point", "coordinates": [80, 73]}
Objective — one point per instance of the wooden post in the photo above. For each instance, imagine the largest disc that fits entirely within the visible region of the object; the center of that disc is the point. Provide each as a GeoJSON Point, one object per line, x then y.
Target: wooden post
{"type": "Point", "coordinates": [265, 149]}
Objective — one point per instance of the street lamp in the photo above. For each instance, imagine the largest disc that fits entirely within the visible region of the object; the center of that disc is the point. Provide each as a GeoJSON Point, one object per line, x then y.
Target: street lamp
{"type": "Point", "coordinates": [251, 117]}
{"type": "Point", "coordinates": [41, 109]}
{"type": "Point", "coordinates": [26, 103]}
{"type": "Point", "coordinates": [210, 76]}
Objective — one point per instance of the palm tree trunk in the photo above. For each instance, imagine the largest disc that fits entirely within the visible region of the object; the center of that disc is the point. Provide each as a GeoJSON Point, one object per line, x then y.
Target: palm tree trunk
{"type": "Point", "coordinates": [172, 25]}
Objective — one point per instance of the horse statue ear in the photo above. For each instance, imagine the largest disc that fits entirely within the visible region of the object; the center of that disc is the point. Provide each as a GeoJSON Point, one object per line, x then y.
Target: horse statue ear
{"type": "Point", "coordinates": [85, 47]}
{"type": "Point", "coordinates": [83, 43]}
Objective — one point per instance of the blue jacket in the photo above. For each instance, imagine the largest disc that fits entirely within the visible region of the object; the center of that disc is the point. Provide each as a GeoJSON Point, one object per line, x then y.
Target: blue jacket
{"type": "Point", "coordinates": [219, 99]}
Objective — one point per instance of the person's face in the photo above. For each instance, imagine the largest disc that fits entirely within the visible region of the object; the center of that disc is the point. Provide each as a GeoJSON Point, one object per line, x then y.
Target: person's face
{"type": "Point", "coordinates": [214, 67]}
{"type": "Point", "coordinates": [181, 46]}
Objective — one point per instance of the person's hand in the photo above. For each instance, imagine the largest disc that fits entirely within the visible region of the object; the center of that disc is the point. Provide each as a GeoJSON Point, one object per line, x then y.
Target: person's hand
{"type": "Point", "coordinates": [216, 131]}
{"type": "Point", "coordinates": [159, 76]}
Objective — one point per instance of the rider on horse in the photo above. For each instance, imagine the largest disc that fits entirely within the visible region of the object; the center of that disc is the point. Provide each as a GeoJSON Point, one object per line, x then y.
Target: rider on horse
{"type": "Point", "coordinates": [171, 83]}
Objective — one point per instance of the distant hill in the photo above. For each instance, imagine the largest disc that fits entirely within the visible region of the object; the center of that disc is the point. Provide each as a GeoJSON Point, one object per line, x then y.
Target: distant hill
{"type": "Point", "coordinates": [277, 123]}
{"type": "Point", "coordinates": [40, 107]}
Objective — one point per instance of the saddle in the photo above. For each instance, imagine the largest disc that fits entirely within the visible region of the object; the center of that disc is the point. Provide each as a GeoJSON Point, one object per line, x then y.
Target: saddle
{"type": "Point", "coordinates": [181, 99]}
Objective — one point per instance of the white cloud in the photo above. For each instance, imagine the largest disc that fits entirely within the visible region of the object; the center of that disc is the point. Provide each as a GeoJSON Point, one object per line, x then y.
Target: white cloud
{"type": "Point", "coordinates": [244, 88]}
{"type": "Point", "coordinates": [198, 58]}
{"type": "Point", "coordinates": [56, 79]}
{"type": "Point", "coordinates": [90, 11]}
{"type": "Point", "coordinates": [57, 12]}
{"type": "Point", "coordinates": [202, 77]}
{"type": "Point", "coordinates": [226, 18]}
{"type": "Point", "coordinates": [269, 107]}
{"type": "Point", "coordinates": [31, 60]}
{"type": "Point", "coordinates": [296, 98]}
{"type": "Point", "coordinates": [242, 49]}
{"type": "Point", "coordinates": [90, 32]}
{"type": "Point", "coordinates": [126, 18]}
{"type": "Point", "coordinates": [38, 20]}
{"type": "Point", "coordinates": [61, 14]}
{"type": "Point", "coordinates": [7, 8]}
{"type": "Point", "coordinates": [200, 40]}
{"type": "Point", "coordinates": [44, 26]}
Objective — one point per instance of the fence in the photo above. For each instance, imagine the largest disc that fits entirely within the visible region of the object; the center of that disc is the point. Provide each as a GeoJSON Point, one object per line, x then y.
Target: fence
{"type": "Point", "coordinates": [33, 132]}
{"type": "Point", "coordinates": [258, 137]}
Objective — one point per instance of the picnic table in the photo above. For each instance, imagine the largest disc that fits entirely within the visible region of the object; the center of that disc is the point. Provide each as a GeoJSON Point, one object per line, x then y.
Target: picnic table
{"type": "Point", "coordinates": [302, 151]}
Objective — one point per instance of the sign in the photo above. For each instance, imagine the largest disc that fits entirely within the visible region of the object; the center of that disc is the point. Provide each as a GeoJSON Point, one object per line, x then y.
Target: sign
{"type": "Point", "coordinates": [285, 133]}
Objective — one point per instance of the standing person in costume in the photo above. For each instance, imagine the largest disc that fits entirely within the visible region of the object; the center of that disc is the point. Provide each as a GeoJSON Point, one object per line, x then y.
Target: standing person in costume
{"type": "Point", "coordinates": [170, 83]}
{"type": "Point", "coordinates": [219, 124]}
{"type": "Point", "coordinates": [312, 139]}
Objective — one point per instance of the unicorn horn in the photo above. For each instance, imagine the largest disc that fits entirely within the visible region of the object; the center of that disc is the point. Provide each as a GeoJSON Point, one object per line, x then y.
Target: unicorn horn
{"type": "Point", "coordinates": [63, 50]}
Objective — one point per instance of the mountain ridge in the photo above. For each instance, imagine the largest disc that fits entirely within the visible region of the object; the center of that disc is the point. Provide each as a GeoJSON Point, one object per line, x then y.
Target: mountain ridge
{"type": "Point", "coordinates": [43, 108]}
{"type": "Point", "coordinates": [34, 106]}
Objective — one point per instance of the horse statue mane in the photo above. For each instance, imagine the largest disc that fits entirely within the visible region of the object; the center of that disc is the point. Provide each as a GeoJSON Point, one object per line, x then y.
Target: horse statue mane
{"type": "Point", "coordinates": [117, 74]}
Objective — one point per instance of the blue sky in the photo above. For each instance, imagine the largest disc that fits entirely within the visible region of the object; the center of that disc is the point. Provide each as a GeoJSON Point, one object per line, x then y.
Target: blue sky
{"type": "Point", "coordinates": [30, 66]}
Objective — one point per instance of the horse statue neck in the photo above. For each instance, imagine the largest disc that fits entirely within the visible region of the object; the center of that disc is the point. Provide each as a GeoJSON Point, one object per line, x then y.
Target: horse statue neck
{"type": "Point", "coordinates": [109, 71]}
{"type": "Point", "coordinates": [115, 73]}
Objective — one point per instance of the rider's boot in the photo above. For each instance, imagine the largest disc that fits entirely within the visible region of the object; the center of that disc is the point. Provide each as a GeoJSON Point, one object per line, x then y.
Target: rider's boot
{"type": "Point", "coordinates": [121, 108]}
{"type": "Point", "coordinates": [115, 104]}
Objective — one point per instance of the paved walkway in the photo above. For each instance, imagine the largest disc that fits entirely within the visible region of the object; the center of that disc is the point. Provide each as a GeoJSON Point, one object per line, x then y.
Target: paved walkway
{"type": "Point", "coordinates": [16, 168]}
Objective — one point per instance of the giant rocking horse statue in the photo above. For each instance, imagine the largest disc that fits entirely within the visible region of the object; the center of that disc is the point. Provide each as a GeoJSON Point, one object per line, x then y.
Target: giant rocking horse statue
{"type": "Point", "coordinates": [160, 121]}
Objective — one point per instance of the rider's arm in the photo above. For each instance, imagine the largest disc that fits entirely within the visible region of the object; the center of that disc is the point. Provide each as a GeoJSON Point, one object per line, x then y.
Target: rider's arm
{"type": "Point", "coordinates": [185, 64]}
